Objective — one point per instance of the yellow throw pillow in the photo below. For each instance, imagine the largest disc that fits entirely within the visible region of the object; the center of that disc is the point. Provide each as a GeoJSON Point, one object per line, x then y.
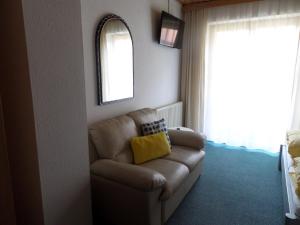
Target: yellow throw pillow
{"type": "Point", "coordinates": [150, 147]}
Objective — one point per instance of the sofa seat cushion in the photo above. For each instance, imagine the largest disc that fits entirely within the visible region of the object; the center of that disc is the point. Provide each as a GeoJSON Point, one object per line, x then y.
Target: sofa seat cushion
{"type": "Point", "coordinates": [185, 155]}
{"type": "Point", "coordinates": [174, 172]}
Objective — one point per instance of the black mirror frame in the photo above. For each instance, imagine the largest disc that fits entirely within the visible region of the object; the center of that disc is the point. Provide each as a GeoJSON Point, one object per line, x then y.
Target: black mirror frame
{"type": "Point", "coordinates": [98, 58]}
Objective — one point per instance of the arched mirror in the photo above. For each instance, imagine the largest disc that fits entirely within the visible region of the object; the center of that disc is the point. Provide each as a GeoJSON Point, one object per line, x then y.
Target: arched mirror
{"type": "Point", "coordinates": [114, 53]}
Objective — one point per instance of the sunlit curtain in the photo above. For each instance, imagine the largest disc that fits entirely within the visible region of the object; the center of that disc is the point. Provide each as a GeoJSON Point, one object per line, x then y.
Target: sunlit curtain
{"type": "Point", "coordinates": [240, 72]}
{"type": "Point", "coordinates": [251, 73]}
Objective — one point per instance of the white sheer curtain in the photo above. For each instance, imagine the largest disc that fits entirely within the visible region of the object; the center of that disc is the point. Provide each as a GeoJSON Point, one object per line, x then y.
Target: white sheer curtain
{"type": "Point", "coordinates": [240, 72]}
{"type": "Point", "coordinates": [251, 75]}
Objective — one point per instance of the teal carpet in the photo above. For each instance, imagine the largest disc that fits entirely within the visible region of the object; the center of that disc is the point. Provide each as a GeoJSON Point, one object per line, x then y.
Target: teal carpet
{"type": "Point", "coordinates": [237, 187]}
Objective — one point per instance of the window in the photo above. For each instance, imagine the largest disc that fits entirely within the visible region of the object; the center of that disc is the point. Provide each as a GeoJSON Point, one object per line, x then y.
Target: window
{"type": "Point", "coordinates": [250, 71]}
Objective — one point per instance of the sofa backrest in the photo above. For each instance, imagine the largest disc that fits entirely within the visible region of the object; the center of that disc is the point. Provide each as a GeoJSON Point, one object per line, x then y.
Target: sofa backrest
{"type": "Point", "coordinates": [141, 116]}
{"type": "Point", "coordinates": [111, 138]}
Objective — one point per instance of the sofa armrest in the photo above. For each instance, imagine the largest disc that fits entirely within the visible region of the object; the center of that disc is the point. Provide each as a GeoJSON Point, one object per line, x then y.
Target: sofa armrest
{"type": "Point", "coordinates": [128, 174]}
{"type": "Point", "coordinates": [186, 138]}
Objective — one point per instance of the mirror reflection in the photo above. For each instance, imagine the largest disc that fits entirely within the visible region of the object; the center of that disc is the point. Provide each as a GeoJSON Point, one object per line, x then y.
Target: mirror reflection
{"type": "Point", "coordinates": [116, 61]}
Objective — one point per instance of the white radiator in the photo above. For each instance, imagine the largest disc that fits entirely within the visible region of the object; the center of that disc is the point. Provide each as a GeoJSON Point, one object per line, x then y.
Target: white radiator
{"type": "Point", "coordinates": [172, 114]}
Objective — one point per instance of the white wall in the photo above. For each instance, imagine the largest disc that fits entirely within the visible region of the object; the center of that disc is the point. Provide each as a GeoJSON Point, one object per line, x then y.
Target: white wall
{"type": "Point", "coordinates": [55, 54]}
{"type": "Point", "coordinates": [156, 68]}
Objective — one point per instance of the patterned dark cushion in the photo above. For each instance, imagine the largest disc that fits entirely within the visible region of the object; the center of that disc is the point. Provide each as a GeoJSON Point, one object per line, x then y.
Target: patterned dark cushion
{"type": "Point", "coordinates": [155, 127]}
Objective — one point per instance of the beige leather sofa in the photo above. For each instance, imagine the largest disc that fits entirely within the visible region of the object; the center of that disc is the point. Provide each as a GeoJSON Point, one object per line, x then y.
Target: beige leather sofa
{"type": "Point", "coordinates": [146, 194]}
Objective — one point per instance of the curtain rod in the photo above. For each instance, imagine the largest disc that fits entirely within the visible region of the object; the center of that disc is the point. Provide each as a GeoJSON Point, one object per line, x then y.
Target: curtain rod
{"type": "Point", "coordinates": [214, 3]}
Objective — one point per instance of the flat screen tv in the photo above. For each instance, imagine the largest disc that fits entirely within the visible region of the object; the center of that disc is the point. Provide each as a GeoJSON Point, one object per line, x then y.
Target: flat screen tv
{"type": "Point", "coordinates": [171, 31]}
